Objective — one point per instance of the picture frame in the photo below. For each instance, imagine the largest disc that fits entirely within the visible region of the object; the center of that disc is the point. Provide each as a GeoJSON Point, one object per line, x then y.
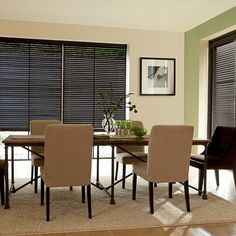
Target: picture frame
{"type": "Point", "coordinates": [157, 76]}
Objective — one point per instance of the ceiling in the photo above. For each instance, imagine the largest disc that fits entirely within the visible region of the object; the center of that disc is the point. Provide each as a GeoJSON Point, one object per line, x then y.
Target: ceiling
{"type": "Point", "coordinates": [162, 15]}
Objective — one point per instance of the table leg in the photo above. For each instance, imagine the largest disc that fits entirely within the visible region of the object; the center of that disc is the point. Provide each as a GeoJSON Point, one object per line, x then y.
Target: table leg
{"type": "Point", "coordinates": [97, 174]}
{"type": "Point", "coordinates": [204, 195]}
{"type": "Point", "coordinates": [7, 206]}
{"type": "Point", "coordinates": [112, 174]}
{"type": "Point", "coordinates": [12, 170]}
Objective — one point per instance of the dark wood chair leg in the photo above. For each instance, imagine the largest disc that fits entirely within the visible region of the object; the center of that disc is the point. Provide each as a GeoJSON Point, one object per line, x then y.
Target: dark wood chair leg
{"type": "Point", "coordinates": [134, 186]}
{"type": "Point", "coordinates": [170, 189]}
{"type": "Point", "coordinates": [71, 188]}
{"type": "Point", "coordinates": [217, 178]}
{"type": "Point", "coordinates": [186, 193]}
{"type": "Point", "coordinates": [123, 176]}
{"type": "Point", "coordinates": [2, 188]}
{"type": "Point", "coordinates": [200, 181]}
{"type": "Point", "coordinates": [36, 179]}
{"type": "Point", "coordinates": [117, 169]}
{"type": "Point", "coordinates": [83, 193]}
{"type": "Point", "coordinates": [47, 204]}
{"type": "Point", "coordinates": [155, 185]}
{"type": "Point", "coordinates": [32, 174]}
{"type": "Point", "coordinates": [151, 202]}
{"type": "Point", "coordinates": [234, 174]}
{"type": "Point", "coordinates": [89, 201]}
{"type": "Point", "coordinates": [42, 192]}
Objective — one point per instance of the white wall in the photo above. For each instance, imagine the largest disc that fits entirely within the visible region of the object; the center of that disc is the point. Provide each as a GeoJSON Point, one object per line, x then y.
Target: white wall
{"type": "Point", "coordinates": [141, 43]}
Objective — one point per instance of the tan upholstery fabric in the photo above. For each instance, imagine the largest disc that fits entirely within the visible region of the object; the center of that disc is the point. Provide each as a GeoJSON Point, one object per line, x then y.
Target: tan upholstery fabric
{"type": "Point", "coordinates": [140, 169]}
{"type": "Point", "coordinates": [169, 153]}
{"type": "Point", "coordinates": [36, 160]}
{"type": "Point", "coordinates": [37, 127]}
{"type": "Point", "coordinates": [124, 157]}
{"type": "Point", "coordinates": [127, 159]}
{"type": "Point", "coordinates": [67, 155]}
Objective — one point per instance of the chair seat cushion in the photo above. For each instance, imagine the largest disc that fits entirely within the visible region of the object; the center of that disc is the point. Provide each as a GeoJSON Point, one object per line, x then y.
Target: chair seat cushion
{"type": "Point", "coordinates": [200, 158]}
{"type": "Point", "coordinates": [213, 162]}
{"type": "Point", "coordinates": [196, 157]}
{"type": "Point", "coordinates": [36, 160]}
{"type": "Point", "coordinates": [127, 159]}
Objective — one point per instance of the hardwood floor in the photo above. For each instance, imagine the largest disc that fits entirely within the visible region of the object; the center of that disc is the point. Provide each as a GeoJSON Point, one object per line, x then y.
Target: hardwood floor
{"type": "Point", "coordinates": [226, 190]}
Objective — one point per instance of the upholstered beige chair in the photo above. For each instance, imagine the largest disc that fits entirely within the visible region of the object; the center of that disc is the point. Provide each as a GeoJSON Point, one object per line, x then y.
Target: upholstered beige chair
{"type": "Point", "coordinates": [2, 174]}
{"type": "Point", "coordinates": [37, 127]}
{"type": "Point", "coordinates": [127, 159]}
{"type": "Point", "coordinates": [168, 159]}
{"type": "Point", "coordinates": [67, 160]}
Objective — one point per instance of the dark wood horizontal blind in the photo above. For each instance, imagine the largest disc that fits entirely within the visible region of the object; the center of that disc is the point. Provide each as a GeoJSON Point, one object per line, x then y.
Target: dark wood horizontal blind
{"type": "Point", "coordinates": [39, 77]}
{"type": "Point", "coordinates": [223, 82]}
{"type": "Point", "coordinates": [110, 74]}
{"type": "Point", "coordinates": [88, 70]}
{"type": "Point", "coordinates": [78, 84]}
{"type": "Point", "coordinates": [30, 83]}
{"type": "Point", "coordinates": [14, 82]}
{"type": "Point", "coordinates": [45, 82]}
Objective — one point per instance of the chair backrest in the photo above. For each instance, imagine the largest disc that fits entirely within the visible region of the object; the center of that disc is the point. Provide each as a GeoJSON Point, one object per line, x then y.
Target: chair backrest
{"type": "Point", "coordinates": [220, 141]}
{"type": "Point", "coordinates": [68, 155]}
{"type": "Point", "coordinates": [38, 127]}
{"type": "Point", "coordinates": [169, 153]}
{"type": "Point", "coordinates": [135, 123]}
{"type": "Point", "coordinates": [222, 149]}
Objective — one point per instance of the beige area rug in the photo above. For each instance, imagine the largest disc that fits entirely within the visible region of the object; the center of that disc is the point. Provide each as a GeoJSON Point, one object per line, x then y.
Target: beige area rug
{"type": "Point", "coordinates": [68, 214]}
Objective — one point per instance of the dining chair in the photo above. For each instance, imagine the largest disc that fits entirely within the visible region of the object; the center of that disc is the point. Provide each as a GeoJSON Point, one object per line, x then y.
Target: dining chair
{"type": "Point", "coordinates": [221, 154]}
{"type": "Point", "coordinates": [67, 160]}
{"type": "Point", "coordinates": [2, 175]}
{"type": "Point", "coordinates": [168, 160]}
{"type": "Point", "coordinates": [125, 158]}
{"type": "Point", "coordinates": [37, 127]}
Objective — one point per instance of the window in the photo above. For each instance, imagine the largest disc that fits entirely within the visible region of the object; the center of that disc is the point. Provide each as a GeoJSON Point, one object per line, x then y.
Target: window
{"type": "Point", "coordinates": [222, 93]}
{"type": "Point", "coordinates": [87, 70]}
{"type": "Point", "coordinates": [57, 80]}
{"type": "Point", "coordinates": [30, 84]}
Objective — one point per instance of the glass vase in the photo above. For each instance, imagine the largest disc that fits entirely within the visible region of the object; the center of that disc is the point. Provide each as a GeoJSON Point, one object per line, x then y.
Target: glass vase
{"type": "Point", "coordinates": [108, 123]}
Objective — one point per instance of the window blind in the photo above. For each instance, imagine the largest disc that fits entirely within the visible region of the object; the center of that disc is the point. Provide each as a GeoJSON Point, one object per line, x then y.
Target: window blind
{"type": "Point", "coordinates": [223, 82]}
{"type": "Point", "coordinates": [78, 84]}
{"type": "Point", "coordinates": [32, 85]}
{"type": "Point", "coordinates": [110, 74]}
{"type": "Point", "coordinates": [14, 82]}
{"type": "Point", "coordinates": [87, 71]}
{"type": "Point", "coordinates": [45, 69]}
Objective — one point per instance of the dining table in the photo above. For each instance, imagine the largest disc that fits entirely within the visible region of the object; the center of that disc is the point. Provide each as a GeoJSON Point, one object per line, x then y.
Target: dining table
{"type": "Point", "coordinates": [120, 141]}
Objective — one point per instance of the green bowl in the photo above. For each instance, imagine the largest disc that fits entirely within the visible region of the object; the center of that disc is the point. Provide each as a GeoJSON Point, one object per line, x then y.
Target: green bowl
{"type": "Point", "coordinates": [139, 132]}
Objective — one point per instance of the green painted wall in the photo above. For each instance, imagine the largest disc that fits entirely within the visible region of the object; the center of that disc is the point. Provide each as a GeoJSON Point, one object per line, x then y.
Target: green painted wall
{"type": "Point", "coordinates": [191, 61]}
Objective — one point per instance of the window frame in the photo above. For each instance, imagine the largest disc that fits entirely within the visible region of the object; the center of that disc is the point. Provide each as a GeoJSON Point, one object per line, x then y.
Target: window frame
{"type": "Point", "coordinates": [213, 44]}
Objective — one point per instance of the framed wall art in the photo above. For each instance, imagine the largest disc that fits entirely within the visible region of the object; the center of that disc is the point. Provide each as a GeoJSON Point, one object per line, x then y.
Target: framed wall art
{"type": "Point", "coordinates": [157, 76]}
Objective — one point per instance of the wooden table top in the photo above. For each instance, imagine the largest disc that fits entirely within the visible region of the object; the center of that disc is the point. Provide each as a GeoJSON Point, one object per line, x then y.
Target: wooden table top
{"type": "Point", "coordinates": [103, 140]}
